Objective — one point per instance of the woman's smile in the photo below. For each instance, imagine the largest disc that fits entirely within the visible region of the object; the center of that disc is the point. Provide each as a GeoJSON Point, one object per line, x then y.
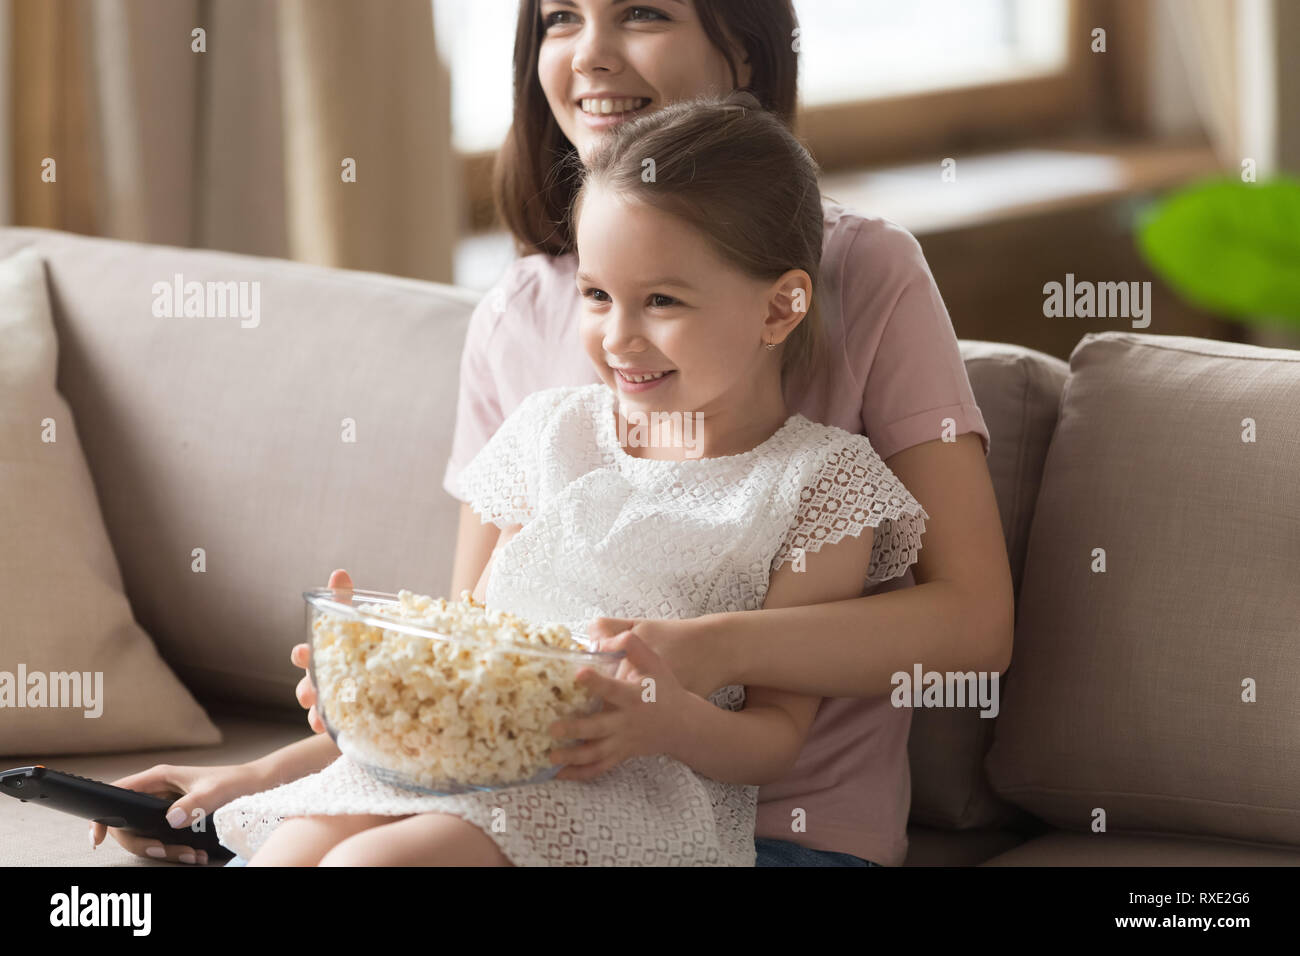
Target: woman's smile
{"type": "Point", "coordinates": [600, 110]}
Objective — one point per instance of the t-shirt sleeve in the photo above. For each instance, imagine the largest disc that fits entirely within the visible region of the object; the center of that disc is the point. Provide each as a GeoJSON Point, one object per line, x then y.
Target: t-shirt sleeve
{"type": "Point", "coordinates": [851, 489]}
{"type": "Point", "coordinates": [478, 404]}
{"type": "Point", "coordinates": [500, 483]}
{"type": "Point", "coordinates": [914, 377]}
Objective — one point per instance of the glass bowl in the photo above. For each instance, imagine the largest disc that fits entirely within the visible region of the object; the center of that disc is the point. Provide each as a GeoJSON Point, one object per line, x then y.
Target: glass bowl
{"type": "Point", "coordinates": [435, 712]}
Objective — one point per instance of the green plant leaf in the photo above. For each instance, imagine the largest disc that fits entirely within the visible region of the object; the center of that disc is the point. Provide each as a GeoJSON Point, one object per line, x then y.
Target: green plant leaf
{"type": "Point", "coordinates": [1230, 247]}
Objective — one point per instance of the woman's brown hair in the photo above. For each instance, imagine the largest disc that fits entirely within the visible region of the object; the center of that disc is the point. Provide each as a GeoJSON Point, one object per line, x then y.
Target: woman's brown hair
{"type": "Point", "coordinates": [533, 182]}
{"type": "Point", "coordinates": [734, 172]}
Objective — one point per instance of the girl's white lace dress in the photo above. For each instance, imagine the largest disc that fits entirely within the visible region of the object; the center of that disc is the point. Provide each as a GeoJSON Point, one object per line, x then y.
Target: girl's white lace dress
{"type": "Point", "coordinates": [606, 534]}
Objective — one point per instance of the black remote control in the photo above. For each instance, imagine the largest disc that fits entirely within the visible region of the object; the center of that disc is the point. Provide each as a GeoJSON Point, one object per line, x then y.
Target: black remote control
{"type": "Point", "coordinates": [104, 803]}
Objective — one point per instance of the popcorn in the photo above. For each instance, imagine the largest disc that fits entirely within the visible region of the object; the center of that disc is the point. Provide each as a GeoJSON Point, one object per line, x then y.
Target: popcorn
{"type": "Point", "coordinates": [447, 715]}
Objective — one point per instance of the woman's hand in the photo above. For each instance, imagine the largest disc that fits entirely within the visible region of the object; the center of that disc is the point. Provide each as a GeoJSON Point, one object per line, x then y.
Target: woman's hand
{"type": "Point", "coordinates": [684, 645]}
{"type": "Point", "coordinates": [201, 790]}
{"type": "Point", "coordinates": [642, 713]}
{"type": "Point", "coordinates": [301, 657]}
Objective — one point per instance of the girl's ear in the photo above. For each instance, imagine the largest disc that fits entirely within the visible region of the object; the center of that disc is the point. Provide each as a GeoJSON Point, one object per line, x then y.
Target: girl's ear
{"type": "Point", "coordinates": [788, 303]}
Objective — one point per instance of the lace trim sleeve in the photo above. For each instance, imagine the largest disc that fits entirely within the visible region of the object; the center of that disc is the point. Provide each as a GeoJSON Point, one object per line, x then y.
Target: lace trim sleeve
{"type": "Point", "coordinates": [500, 483]}
{"type": "Point", "coordinates": [854, 489]}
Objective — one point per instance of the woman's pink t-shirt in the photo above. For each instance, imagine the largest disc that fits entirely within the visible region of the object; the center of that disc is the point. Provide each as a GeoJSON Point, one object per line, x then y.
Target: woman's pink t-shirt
{"type": "Point", "coordinates": [895, 375]}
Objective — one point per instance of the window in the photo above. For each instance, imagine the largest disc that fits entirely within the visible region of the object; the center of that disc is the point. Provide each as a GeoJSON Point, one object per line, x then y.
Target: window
{"type": "Point", "coordinates": [863, 49]}
{"type": "Point", "coordinates": [880, 80]}
{"type": "Point", "coordinates": [850, 50]}
{"type": "Point", "coordinates": [476, 39]}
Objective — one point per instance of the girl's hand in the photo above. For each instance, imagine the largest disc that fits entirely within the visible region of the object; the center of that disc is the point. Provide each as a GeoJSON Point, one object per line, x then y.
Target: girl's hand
{"type": "Point", "coordinates": [681, 644]}
{"type": "Point", "coordinates": [201, 789]}
{"type": "Point", "coordinates": [641, 714]}
{"type": "Point", "coordinates": [301, 657]}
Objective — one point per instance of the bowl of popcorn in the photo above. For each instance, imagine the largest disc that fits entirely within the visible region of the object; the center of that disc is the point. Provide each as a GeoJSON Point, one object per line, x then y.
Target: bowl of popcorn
{"type": "Point", "coordinates": [444, 696]}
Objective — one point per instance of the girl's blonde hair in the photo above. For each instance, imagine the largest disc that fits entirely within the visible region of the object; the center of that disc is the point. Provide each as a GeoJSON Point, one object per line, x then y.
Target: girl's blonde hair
{"type": "Point", "coordinates": [737, 174]}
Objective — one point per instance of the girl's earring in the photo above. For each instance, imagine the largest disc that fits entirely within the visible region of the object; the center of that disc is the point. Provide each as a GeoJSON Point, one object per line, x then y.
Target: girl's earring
{"type": "Point", "coordinates": [771, 346]}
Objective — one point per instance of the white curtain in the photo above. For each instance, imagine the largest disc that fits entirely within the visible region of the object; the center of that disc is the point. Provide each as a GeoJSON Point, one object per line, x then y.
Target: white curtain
{"type": "Point", "coordinates": [1226, 52]}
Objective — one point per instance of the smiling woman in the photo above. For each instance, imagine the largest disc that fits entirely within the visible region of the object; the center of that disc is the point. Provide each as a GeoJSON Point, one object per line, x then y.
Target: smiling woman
{"type": "Point", "coordinates": [571, 51]}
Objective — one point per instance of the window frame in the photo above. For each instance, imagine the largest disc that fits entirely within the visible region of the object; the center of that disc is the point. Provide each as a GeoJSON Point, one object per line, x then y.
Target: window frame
{"type": "Point", "coordinates": [881, 129]}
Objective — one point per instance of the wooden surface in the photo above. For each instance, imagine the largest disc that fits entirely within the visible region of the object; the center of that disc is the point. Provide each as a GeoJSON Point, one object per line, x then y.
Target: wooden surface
{"type": "Point", "coordinates": [1054, 177]}
{"type": "Point", "coordinates": [992, 278]}
{"type": "Point", "coordinates": [1016, 220]}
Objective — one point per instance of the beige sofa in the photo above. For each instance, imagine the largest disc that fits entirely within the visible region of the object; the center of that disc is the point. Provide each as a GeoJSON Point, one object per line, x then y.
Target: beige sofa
{"type": "Point", "coordinates": [1156, 554]}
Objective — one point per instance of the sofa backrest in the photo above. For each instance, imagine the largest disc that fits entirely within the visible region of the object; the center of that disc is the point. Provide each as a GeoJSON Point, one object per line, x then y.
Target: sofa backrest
{"type": "Point", "coordinates": [1153, 683]}
{"type": "Point", "coordinates": [237, 463]}
{"type": "Point", "coordinates": [1019, 392]}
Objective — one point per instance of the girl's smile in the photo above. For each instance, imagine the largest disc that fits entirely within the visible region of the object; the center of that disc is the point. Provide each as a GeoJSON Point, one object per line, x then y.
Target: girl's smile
{"type": "Point", "coordinates": [639, 380]}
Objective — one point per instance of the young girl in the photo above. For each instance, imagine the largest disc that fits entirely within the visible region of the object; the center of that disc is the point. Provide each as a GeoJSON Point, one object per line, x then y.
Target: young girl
{"type": "Point", "coordinates": [699, 230]}
{"type": "Point", "coordinates": [894, 373]}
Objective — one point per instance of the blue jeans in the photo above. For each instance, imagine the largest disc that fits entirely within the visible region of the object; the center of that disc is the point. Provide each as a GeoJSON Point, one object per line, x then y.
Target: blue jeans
{"type": "Point", "coordinates": [784, 853]}
{"type": "Point", "coordinates": [770, 853]}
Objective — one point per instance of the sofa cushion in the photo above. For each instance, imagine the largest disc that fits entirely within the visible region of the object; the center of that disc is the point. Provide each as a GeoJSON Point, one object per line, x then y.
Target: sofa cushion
{"type": "Point", "coordinates": [1059, 848]}
{"type": "Point", "coordinates": [33, 835]}
{"type": "Point", "coordinates": [1018, 391]}
{"type": "Point", "coordinates": [216, 441]}
{"type": "Point", "coordinates": [77, 673]}
{"type": "Point", "coordinates": [929, 846]}
{"type": "Point", "coordinates": [1160, 686]}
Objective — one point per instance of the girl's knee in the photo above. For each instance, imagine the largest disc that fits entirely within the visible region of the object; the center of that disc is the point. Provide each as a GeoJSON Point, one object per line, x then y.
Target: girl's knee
{"type": "Point", "coordinates": [305, 841]}
{"type": "Point", "coordinates": [427, 839]}
{"type": "Point", "coordinates": [353, 853]}
{"type": "Point", "coordinates": [289, 845]}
